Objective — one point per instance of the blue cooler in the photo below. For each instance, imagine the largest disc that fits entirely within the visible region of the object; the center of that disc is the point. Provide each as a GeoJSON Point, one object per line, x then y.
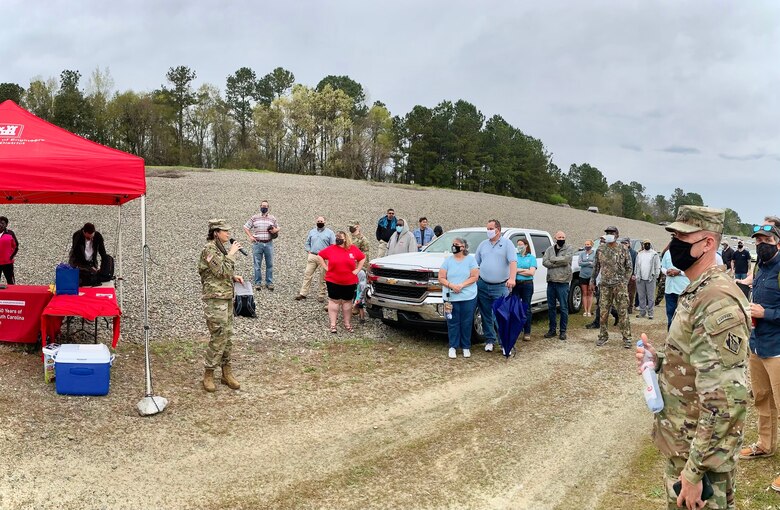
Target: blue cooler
{"type": "Point", "coordinates": [66, 280]}
{"type": "Point", "coordinates": [83, 369]}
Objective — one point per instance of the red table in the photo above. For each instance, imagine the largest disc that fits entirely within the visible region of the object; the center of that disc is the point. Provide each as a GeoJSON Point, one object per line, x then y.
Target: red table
{"type": "Point", "coordinates": [20, 312]}
{"type": "Point", "coordinates": [90, 303]}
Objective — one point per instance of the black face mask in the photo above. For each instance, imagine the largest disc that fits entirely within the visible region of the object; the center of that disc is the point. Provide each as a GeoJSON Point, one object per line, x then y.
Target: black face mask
{"type": "Point", "coordinates": [739, 246]}
{"type": "Point", "coordinates": [765, 252]}
{"type": "Point", "coordinates": [352, 230]}
{"type": "Point", "coordinates": [456, 249]}
{"type": "Point", "coordinates": [263, 210]}
{"type": "Point", "coordinates": [320, 225]}
{"type": "Point", "coordinates": [647, 246]}
{"type": "Point", "coordinates": [680, 252]}
{"type": "Point", "coordinates": [560, 242]}
{"type": "Point", "coordinates": [339, 241]}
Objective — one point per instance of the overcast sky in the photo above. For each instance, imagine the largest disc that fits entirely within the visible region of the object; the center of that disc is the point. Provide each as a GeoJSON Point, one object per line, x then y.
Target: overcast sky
{"type": "Point", "coordinates": [667, 93]}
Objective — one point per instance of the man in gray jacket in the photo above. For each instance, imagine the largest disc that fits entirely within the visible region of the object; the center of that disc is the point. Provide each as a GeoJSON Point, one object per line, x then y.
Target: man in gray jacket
{"type": "Point", "coordinates": [557, 260]}
{"type": "Point", "coordinates": [646, 269]}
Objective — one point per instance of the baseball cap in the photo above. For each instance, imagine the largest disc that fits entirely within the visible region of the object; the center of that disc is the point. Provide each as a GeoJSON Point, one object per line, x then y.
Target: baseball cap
{"type": "Point", "coordinates": [611, 229]}
{"type": "Point", "coordinates": [693, 218]}
{"type": "Point", "coordinates": [219, 224]}
{"type": "Point", "coordinates": [645, 241]}
{"type": "Point", "coordinates": [353, 223]}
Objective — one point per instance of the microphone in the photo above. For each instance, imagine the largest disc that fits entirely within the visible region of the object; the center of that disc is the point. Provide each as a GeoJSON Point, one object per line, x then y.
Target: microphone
{"type": "Point", "coordinates": [243, 251]}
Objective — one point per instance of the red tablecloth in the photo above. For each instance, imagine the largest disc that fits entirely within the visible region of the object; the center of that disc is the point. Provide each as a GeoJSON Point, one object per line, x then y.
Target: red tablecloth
{"type": "Point", "coordinates": [90, 303]}
{"type": "Point", "coordinates": [20, 312]}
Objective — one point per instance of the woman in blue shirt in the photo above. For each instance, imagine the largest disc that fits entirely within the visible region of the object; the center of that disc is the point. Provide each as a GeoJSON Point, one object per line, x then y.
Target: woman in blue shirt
{"type": "Point", "coordinates": [457, 275]}
{"type": "Point", "coordinates": [526, 267]}
{"type": "Point", "coordinates": [586, 259]}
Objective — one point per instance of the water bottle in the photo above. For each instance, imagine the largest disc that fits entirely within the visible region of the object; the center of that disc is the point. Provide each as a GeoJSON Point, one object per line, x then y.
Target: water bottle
{"type": "Point", "coordinates": [652, 392]}
{"type": "Point", "coordinates": [447, 306]}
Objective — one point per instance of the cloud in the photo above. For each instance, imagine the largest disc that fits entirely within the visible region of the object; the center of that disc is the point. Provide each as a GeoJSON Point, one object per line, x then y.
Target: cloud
{"type": "Point", "coordinates": [744, 157]}
{"type": "Point", "coordinates": [678, 149]}
{"type": "Point", "coordinates": [631, 147]}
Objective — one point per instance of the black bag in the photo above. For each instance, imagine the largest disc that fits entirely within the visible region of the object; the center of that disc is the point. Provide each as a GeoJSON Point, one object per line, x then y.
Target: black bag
{"type": "Point", "coordinates": [273, 235]}
{"type": "Point", "coordinates": [106, 272]}
{"type": "Point", "coordinates": [245, 306]}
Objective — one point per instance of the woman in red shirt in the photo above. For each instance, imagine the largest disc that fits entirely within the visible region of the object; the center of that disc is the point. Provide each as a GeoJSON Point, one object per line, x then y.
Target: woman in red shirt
{"type": "Point", "coordinates": [345, 261]}
{"type": "Point", "coordinates": [9, 245]}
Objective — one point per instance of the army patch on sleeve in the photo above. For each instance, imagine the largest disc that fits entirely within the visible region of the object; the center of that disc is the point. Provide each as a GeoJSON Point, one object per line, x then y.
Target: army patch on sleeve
{"type": "Point", "coordinates": [723, 318]}
{"type": "Point", "coordinates": [732, 343]}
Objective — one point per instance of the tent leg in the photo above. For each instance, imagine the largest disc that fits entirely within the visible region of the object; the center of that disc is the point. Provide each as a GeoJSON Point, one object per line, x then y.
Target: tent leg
{"type": "Point", "coordinates": [150, 404]}
{"type": "Point", "coordinates": [120, 288]}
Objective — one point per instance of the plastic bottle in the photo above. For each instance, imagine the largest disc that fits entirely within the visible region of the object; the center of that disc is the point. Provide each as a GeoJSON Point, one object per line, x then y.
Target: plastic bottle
{"type": "Point", "coordinates": [447, 306]}
{"type": "Point", "coordinates": [652, 392]}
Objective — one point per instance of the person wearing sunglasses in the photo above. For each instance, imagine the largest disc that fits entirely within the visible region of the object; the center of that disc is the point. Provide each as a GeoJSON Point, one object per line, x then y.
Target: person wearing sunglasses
{"type": "Point", "coordinates": [764, 361]}
{"type": "Point", "coordinates": [458, 276]}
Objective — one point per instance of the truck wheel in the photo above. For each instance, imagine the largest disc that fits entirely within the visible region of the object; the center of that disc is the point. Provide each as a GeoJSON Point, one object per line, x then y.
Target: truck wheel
{"type": "Point", "coordinates": [575, 296]}
{"type": "Point", "coordinates": [477, 333]}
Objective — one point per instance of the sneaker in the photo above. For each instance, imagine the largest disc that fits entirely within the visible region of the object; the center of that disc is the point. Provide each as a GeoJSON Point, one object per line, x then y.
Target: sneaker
{"type": "Point", "coordinates": [754, 452]}
{"type": "Point", "coordinates": [488, 347]}
{"type": "Point", "coordinates": [776, 484]}
{"type": "Point", "coordinates": [649, 317]}
{"type": "Point", "coordinates": [299, 297]}
{"type": "Point", "coordinates": [549, 334]}
{"type": "Point", "coordinates": [640, 316]}
{"type": "Point", "coordinates": [466, 353]}
{"type": "Point", "coordinates": [602, 341]}
{"type": "Point", "coordinates": [626, 343]}
{"type": "Point", "coordinates": [258, 287]}
{"type": "Point", "coordinates": [526, 338]}
{"type": "Point", "coordinates": [592, 325]}
{"type": "Point", "coordinates": [452, 354]}
{"type": "Point", "coordinates": [270, 287]}
{"type": "Point", "coordinates": [562, 336]}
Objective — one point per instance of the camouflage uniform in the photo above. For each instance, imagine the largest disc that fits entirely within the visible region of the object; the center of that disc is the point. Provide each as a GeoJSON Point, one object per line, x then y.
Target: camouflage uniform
{"type": "Point", "coordinates": [216, 275]}
{"type": "Point", "coordinates": [702, 379]}
{"type": "Point", "coordinates": [614, 265]}
{"type": "Point", "coordinates": [363, 245]}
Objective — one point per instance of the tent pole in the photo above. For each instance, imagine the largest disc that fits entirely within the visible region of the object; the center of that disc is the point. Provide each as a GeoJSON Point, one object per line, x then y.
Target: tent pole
{"type": "Point", "coordinates": [150, 404]}
{"type": "Point", "coordinates": [119, 259]}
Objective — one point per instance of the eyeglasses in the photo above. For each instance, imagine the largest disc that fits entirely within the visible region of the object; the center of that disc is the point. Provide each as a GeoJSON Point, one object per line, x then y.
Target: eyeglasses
{"type": "Point", "coordinates": [765, 228]}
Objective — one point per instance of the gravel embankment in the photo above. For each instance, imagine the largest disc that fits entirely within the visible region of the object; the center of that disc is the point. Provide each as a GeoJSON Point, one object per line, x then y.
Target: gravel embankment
{"type": "Point", "coordinates": [177, 214]}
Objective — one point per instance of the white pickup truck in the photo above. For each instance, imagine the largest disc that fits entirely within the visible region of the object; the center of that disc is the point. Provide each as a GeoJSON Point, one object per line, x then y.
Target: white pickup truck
{"type": "Point", "coordinates": [404, 289]}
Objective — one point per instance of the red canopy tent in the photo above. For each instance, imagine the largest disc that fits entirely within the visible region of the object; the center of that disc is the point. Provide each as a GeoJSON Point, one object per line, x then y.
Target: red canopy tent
{"type": "Point", "coordinates": [41, 163]}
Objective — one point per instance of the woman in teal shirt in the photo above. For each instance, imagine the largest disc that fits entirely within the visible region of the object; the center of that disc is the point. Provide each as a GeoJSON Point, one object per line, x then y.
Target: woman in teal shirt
{"type": "Point", "coordinates": [526, 267]}
{"type": "Point", "coordinates": [457, 275]}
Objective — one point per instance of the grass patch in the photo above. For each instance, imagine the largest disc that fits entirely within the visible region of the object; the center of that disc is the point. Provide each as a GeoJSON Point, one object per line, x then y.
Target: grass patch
{"type": "Point", "coordinates": [642, 486]}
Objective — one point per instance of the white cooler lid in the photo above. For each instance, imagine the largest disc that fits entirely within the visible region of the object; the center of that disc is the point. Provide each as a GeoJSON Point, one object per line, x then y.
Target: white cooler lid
{"type": "Point", "coordinates": [83, 353]}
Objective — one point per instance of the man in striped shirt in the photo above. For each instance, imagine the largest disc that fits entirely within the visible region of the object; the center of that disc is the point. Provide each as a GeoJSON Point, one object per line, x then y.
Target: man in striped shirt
{"type": "Point", "coordinates": [261, 229]}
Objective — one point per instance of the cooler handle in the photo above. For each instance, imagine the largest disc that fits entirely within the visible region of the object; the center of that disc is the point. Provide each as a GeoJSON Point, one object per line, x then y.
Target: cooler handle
{"type": "Point", "coordinates": [81, 371]}
{"type": "Point", "coordinates": [111, 360]}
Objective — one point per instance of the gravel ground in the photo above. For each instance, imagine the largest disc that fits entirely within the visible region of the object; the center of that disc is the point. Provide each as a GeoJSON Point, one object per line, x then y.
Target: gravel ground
{"type": "Point", "coordinates": [178, 210]}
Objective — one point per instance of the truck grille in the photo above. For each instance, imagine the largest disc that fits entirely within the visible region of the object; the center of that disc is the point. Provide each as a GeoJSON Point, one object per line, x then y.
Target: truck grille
{"type": "Point", "coordinates": [401, 274]}
{"type": "Point", "coordinates": [399, 291]}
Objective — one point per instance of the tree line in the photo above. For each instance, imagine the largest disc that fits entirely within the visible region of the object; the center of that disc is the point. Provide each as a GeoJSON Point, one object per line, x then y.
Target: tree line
{"type": "Point", "coordinates": [272, 122]}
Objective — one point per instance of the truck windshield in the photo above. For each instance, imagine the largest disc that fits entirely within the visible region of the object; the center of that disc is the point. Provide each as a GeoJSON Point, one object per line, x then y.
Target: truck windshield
{"type": "Point", "coordinates": [444, 243]}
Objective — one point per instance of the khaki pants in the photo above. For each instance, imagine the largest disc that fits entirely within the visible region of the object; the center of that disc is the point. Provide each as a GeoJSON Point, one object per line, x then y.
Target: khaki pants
{"type": "Point", "coordinates": [382, 249]}
{"type": "Point", "coordinates": [765, 381]}
{"type": "Point", "coordinates": [312, 266]}
{"type": "Point", "coordinates": [219, 319]}
{"type": "Point", "coordinates": [722, 486]}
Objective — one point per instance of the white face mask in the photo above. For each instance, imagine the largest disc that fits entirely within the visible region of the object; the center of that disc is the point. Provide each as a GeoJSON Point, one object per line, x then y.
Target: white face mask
{"type": "Point", "coordinates": [491, 233]}
{"type": "Point", "coordinates": [609, 238]}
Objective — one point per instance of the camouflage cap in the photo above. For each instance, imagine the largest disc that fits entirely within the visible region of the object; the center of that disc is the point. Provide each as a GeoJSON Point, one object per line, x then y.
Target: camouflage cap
{"type": "Point", "coordinates": [219, 224]}
{"type": "Point", "coordinates": [693, 218]}
{"type": "Point", "coordinates": [611, 229]}
{"type": "Point", "coordinates": [353, 223]}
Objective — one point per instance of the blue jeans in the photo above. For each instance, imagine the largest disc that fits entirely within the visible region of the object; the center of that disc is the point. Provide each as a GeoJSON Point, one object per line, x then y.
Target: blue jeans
{"type": "Point", "coordinates": [486, 294]}
{"type": "Point", "coordinates": [260, 250]}
{"type": "Point", "coordinates": [558, 292]}
{"type": "Point", "coordinates": [671, 306]}
{"type": "Point", "coordinates": [525, 291]}
{"type": "Point", "coordinates": [740, 276]}
{"type": "Point", "coordinates": [459, 327]}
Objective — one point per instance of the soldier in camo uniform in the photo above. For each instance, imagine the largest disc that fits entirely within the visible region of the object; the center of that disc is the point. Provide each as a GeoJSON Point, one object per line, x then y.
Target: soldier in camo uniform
{"type": "Point", "coordinates": [358, 239]}
{"type": "Point", "coordinates": [702, 368]}
{"type": "Point", "coordinates": [613, 263]}
{"type": "Point", "coordinates": [216, 267]}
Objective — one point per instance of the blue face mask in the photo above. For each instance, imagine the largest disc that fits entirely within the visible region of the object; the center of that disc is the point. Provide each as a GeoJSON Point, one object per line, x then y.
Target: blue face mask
{"type": "Point", "coordinates": [399, 229]}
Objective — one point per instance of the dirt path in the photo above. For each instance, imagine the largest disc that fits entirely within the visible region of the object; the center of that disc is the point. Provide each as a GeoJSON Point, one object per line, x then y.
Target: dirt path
{"type": "Point", "coordinates": [389, 424]}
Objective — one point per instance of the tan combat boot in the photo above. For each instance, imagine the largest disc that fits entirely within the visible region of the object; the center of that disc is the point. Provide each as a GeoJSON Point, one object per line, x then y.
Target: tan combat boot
{"type": "Point", "coordinates": [208, 381]}
{"type": "Point", "coordinates": [227, 378]}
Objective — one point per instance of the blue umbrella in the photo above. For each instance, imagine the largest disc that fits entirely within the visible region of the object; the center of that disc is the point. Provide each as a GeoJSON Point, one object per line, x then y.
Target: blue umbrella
{"type": "Point", "coordinates": [511, 313]}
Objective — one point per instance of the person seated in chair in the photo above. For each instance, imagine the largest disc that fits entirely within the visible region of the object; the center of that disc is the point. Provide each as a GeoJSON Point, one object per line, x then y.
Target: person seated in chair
{"type": "Point", "coordinates": [87, 245]}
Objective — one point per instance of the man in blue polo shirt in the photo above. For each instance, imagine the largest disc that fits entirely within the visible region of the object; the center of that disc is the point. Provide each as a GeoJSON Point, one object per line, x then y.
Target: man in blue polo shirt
{"type": "Point", "coordinates": [497, 259]}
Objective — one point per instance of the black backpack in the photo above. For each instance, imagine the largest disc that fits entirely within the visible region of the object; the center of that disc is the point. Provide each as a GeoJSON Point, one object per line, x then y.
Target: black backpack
{"type": "Point", "coordinates": [106, 272]}
{"type": "Point", "coordinates": [244, 306]}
